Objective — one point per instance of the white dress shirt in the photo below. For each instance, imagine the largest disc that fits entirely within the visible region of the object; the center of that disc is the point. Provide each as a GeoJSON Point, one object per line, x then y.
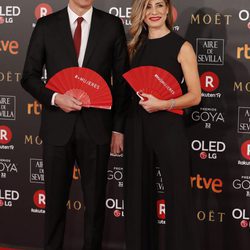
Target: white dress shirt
{"type": "Point", "coordinates": [86, 23]}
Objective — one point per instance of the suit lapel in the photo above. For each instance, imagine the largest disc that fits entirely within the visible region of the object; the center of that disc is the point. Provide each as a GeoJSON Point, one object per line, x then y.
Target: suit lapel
{"type": "Point", "coordinates": [67, 39]}
{"type": "Point", "coordinates": [95, 30]}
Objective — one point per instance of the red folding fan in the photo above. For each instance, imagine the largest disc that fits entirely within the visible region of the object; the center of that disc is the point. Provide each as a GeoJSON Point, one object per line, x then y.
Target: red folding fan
{"type": "Point", "coordinates": [156, 81]}
{"type": "Point", "coordinates": [84, 84]}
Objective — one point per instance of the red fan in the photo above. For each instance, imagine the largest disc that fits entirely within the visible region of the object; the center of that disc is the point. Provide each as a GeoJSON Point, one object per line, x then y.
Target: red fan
{"type": "Point", "coordinates": [156, 81]}
{"type": "Point", "coordinates": [84, 84]}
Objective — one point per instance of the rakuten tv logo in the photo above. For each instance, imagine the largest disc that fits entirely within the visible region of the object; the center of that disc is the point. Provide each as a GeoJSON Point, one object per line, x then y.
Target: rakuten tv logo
{"type": "Point", "coordinates": [161, 209]}
{"type": "Point", "coordinates": [5, 135]}
{"type": "Point", "coordinates": [209, 83]}
{"type": "Point", "coordinates": [43, 9]}
{"type": "Point", "coordinates": [39, 199]}
{"type": "Point", "coordinates": [245, 149]}
{"type": "Point", "coordinates": [8, 13]}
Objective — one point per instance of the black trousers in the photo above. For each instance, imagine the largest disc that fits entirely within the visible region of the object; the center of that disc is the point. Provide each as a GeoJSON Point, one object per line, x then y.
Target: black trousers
{"type": "Point", "coordinates": [92, 160]}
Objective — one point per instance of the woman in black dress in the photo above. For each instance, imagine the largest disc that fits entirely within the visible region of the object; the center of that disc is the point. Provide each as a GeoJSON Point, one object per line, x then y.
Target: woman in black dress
{"type": "Point", "coordinates": [153, 134]}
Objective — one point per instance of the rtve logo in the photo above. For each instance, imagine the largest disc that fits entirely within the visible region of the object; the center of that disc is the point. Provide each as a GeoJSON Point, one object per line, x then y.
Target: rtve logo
{"type": "Point", "coordinates": [43, 9]}
{"type": "Point", "coordinates": [9, 47]}
{"type": "Point", "coordinates": [5, 135]}
{"type": "Point", "coordinates": [34, 108]}
{"type": "Point", "coordinates": [243, 52]}
{"type": "Point", "coordinates": [207, 183]}
{"type": "Point", "coordinates": [209, 81]}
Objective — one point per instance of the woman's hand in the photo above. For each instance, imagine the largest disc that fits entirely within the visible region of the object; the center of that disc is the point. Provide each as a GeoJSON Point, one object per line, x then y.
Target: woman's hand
{"type": "Point", "coordinates": [151, 103]}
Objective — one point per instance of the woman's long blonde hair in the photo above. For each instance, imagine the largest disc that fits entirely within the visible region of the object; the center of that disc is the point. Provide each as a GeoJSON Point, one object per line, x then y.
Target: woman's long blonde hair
{"type": "Point", "coordinates": [138, 30]}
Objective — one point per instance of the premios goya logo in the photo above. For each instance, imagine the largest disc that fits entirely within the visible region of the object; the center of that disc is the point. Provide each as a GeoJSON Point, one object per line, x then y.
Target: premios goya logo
{"type": "Point", "coordinates": [242, 184]}
{"type": "Point", "coordinates": [8, 14]}
{"type": "Point", "coordinates": [7, 168]}
{"type": "Point", "coordinates": [208, 116]}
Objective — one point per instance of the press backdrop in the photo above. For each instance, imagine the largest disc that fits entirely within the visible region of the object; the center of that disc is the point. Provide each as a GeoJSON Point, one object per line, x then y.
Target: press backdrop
{"type": "Point", "coordinates": [219, 130]}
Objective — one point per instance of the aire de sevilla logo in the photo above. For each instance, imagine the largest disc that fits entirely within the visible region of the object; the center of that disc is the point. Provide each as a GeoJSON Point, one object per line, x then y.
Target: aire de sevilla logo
{"type": "Point", "coordinates": [5, 135]}
{"type": "Point", "coordinates": [42, 9]}
{"type": "Point", "coordinates": [209, 81]}
{"type": "Point", "coordinates": [39, 199]}
{"type": "Point", "coordinates": [245, 149]}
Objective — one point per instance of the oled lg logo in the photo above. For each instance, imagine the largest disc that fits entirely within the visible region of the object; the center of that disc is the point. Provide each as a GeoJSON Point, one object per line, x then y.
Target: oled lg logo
{"type": "Point", "coordinates": [209, 83]}
{"type": "Point", "coordinates": [7, 197]}
{"type": "Point", "coordinates": [39, 201]}
{"type": "Point", "coordinates": [123, 13]}
{"type": "Point", "coordinates": [208, 150]}
{"type": "Point", "coordinates": [117, 206]}
{"type": "Point", "coordinates": [244, 16]}
{"type": "Point", "coordinates": [8, 13]}
{"type": "Point", "coordinates": [9, 47]}
{"type": "Point", "coordinates": [242, 216]}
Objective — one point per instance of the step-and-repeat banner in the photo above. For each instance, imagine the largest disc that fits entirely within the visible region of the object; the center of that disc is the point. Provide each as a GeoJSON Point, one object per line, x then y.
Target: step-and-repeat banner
{"type": "Point", "coordinates": [219, 130]}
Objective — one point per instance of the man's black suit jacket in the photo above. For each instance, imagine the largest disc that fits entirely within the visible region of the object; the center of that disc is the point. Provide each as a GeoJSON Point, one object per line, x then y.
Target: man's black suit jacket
{"type": "Point", "coordinates": [52, 45]}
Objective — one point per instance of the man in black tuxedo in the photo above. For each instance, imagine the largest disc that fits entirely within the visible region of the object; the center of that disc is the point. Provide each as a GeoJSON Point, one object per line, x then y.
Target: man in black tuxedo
{"type": "Point", "coordinates": [78, 35]}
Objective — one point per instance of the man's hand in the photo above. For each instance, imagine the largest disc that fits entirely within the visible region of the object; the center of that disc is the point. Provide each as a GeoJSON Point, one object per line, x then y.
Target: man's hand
{"type": "Point", "coordinates": [116, 146]}
{"type": "Point", "coordinates": [67, 103]}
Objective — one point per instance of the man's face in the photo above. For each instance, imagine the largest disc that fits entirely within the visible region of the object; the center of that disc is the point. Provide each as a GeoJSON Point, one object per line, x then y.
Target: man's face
{"type": "Point", "coordinates": [83, 4]}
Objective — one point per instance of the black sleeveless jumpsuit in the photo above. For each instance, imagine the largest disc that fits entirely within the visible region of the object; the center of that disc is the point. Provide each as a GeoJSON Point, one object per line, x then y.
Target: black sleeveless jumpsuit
{"type": "Point", "coordinates": [158, 138]}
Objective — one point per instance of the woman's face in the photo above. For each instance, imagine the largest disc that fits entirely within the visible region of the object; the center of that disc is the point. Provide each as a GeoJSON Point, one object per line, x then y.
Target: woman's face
{"type": "Point", "coordinates": [156, 14]}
